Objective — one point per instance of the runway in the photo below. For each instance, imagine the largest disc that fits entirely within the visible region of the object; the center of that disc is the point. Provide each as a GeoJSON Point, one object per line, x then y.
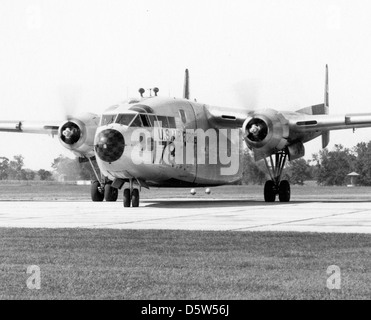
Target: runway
{"type": "Point", "coordinates": [180, 214]}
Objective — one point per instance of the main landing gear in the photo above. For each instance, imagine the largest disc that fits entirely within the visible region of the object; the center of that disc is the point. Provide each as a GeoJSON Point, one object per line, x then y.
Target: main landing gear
{"type": "Point", "coordinates": [276, 185]}
{"type": "Point", "coordinates": [100, 192]}
{"type": "Point", "coordinates": [131, 195]}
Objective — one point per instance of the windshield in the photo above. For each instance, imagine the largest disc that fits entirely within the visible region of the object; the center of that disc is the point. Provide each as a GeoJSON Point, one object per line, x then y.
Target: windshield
{"type": "Point", "coordinates": [108, 119]}
{"type": "Point", "coordinates": [125, 118]}
{"type": "Point", "coordinates": [141, 120]}
{"type": "Point", "coordinates": [145, 120]}
{"type": "Point", "coordinates": [136, 122]}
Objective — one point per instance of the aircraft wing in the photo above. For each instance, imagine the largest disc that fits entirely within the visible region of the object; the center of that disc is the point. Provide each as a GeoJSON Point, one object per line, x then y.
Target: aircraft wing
{"type": "Point", "coordinates": [307, 123]}
{"type": "Point", "coordinates": [268, 131]}
{"type": "Point", "coordinates": [226, 117]}
{"type": "Point", "coordinates": [50, 128]}
{"type": "Point", "coordinates": [76, 134]}
{"type": "Point", "coordinates": [298, 122]}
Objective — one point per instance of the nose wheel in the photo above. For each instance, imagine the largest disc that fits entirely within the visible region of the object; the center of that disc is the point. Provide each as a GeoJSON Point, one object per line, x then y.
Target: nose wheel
{"type": "Point", "coordinates": [131, 198]}
{"type": "Point", "coordinates": [276, 186]}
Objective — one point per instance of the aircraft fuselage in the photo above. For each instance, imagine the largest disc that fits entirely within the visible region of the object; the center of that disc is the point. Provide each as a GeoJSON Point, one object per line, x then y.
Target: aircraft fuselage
{"type": "Point", "coordinates": [167, 142]}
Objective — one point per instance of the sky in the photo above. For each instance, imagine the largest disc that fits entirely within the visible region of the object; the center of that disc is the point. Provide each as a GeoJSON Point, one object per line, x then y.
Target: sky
{"type": "Point", "coordinates": [88, 55]}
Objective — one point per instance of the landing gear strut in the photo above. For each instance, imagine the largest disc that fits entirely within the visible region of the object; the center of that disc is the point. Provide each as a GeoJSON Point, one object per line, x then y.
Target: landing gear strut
{"type": "Point", "coordinates": [276, 185]}
{"type": "Point", "coordinates": [101, 189]}
{"type": "Point", "coordinates": [131, 195]}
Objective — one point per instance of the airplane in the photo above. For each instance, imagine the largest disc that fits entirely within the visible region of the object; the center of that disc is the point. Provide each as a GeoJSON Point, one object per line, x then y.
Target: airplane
{"type": "Point", "coordinates": [171, 142]}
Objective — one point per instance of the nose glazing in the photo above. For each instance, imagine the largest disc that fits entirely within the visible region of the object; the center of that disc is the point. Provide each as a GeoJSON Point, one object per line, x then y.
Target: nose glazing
{"type": "Point", "coordinates": [109, 145]}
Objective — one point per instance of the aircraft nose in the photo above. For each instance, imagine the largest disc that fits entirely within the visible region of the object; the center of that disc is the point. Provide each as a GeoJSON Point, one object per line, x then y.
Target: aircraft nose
{"type": "Point", "coordinates": [109, 145]}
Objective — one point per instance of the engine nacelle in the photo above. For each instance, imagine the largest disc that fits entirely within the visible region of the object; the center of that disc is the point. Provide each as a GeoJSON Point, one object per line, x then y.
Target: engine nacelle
{"type": "Point", "coordinates": [77, 134]}
{"type": "Point", "coordinates": [266, 131]}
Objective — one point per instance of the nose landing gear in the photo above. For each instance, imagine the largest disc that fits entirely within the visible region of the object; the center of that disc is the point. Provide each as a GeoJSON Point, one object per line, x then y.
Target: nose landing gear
{"type": "Point", "coordinates": [276, 185]}
{"type": "Point", "coordinates": [131, 195]}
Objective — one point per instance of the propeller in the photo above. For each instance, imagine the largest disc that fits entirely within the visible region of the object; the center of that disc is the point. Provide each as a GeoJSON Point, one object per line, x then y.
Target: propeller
{"type": "Point", "coordinates": [77, 132]}
{"type": "Point", "coordinates": [247, 93]}
{"type": "Point", "coordinates": [70, 95]}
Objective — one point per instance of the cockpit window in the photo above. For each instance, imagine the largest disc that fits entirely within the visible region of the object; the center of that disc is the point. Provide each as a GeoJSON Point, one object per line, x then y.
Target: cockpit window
{"type": "Point", "coordinates": [172, 123]}
{"type": "Point", "coordinates": [145, 120]}
{"type": "Point", "coordinates": [136, 122]}
{"type": "Point", "coordinates": [152, 119]}
{"type": "Point", "coordinates": [108, 119]}
{"type": "Point", "coordinates": [183, 115]}
{"type": "Point", "coordinates": [164, 121]}
{"type": "Point", "coordinates": [125, 118]}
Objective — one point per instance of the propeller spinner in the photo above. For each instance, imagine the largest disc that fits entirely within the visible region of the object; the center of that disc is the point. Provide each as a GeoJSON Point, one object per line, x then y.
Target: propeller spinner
{"type": "Point", "coordinates": [256, 129]}
{"type": "Point", "coordinates": [70, 133]}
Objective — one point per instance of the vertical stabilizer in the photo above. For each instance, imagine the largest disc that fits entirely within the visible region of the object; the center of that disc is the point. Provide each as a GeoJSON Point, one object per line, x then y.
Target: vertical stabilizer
{"type": "Point", "coordinates": [326, 90]}
{"type": "Point", "coordinates": [186, 85]}
{"type": "Point", "coordinates": [326, 134]}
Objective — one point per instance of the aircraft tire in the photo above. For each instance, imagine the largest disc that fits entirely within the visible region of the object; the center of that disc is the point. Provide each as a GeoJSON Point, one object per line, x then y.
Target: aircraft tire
{"type": "Point", "coordinates": [96, 194]}
{"type": "Point", "coordinates": [110, 193]}
{"type": "Point", "coordinates": [284, 191]}
{"type": "Point", "coordinates": [127, 198]}
{"type": "Point", "coordinates": [135, 198]}
{"type": "Point", "coordinates": [269, 191]}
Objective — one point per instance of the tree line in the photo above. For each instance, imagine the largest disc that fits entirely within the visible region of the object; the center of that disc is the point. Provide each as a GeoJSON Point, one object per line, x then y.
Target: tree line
{"type": "Point", "coordinates": [329, 168]}
{"type": "Point", "coordinates": [63, 168]}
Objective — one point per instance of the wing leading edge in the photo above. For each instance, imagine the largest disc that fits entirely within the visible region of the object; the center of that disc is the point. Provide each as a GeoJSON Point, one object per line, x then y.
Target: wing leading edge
{"type": "Point", "coordinates": [50, 128]}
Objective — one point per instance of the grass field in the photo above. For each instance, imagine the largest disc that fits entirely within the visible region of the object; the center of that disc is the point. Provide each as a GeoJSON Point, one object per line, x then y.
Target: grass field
{"type": "Point", "coordinates": [153, 264]}
{"type": "Point", "coordinates": [123, 264]}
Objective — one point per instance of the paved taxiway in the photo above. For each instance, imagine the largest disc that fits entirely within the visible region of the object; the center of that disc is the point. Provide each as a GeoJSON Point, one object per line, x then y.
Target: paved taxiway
{"type": "Point", "coordinates": [234, 215]}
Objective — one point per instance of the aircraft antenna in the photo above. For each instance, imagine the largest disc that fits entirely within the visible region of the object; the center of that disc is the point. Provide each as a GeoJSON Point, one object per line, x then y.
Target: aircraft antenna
{"type": "Point", "coordinates": [186, 85]}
